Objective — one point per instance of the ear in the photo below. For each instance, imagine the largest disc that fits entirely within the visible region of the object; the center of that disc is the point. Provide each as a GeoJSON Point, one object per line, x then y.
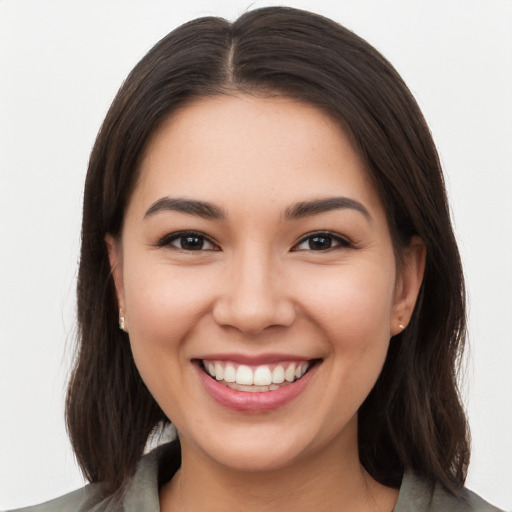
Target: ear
{"type": "Point", "coordinates": [409, 279]}
{"type": "Point", "coordinates": [115, 254]}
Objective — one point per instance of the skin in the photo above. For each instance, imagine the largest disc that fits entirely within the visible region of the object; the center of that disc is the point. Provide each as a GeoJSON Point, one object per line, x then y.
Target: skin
{"type": "Point", "coordinates": [256, 287]}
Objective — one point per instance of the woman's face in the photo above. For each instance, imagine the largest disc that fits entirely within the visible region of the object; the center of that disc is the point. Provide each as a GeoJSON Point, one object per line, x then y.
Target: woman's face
{"type": "Point", "coordinates": [255, 247]}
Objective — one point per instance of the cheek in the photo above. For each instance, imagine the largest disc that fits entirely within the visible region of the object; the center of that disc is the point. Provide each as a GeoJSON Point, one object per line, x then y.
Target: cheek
{"type": "Point", "coordinates": [163, 308]}
{"type": "Point", "coordinates": [352, 312]}
{"type": "Point", "coordinates": [165, 297]}
{"type": "Point", "coordinates": [360, 333]}
{"type": "Point", "coordinates": [353, 306]}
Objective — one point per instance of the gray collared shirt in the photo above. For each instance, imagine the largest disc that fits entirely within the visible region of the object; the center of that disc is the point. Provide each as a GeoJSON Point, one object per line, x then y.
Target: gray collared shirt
{"type": "Point", "coordinates": [142, 493]}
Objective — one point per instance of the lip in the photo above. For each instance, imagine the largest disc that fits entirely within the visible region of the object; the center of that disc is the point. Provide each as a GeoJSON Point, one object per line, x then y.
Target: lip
{"type": "Point", "coordinates": [242, 401]}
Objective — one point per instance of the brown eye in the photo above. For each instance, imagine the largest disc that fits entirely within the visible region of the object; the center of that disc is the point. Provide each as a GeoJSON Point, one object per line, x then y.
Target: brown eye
{"type": "Point", "coordinates": [321, 242]}
{"type": "Point", "coordinates": [190, 242]}
{"type": "Point", "coordinates": [187, 241]}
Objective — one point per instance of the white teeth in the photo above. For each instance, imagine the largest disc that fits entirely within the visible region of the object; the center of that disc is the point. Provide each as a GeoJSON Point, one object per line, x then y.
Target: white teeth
{"type": "Point", "coordinates": [262, 376]}
{"type": "Point", "coordinates": [278, 375]}
{"type": "Point", "coordinates": [219, 371]}
{"type": "Point", "coordinates": [229, 373]}
{"type": "Point", "coordinates": [289, 374]}
{"type": "Point", "coordinates": [244, 375]}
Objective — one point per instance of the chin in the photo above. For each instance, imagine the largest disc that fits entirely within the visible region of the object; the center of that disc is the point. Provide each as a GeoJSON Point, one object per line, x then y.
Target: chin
{"type": "Point", "coordinates": [251, 449]}
{"type": "Point", "coordinates": [255, 457]}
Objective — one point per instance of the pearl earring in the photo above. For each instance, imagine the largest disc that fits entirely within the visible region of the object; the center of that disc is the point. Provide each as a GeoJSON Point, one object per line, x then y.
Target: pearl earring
{"type": "Point", "coordinates": [402, 326]}
{"type": "Point", "coordinates": [121, 320]}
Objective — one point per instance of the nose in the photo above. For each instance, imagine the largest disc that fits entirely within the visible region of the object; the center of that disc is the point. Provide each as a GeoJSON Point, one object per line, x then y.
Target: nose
{"type": "Point", "coordinates": [254, 297]}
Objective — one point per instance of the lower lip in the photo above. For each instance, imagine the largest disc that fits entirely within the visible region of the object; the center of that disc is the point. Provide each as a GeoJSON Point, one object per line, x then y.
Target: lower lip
{"type": "Point", "coordinates": [254, 402]}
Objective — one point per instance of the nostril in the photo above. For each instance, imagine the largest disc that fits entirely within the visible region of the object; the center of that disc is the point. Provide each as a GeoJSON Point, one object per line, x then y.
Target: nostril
{"type": "Point", "coordinates": [253, 317]}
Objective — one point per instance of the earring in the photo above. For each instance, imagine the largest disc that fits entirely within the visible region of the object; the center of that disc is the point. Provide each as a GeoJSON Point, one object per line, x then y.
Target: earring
{"type": "Point", "coordinates": [402, 326]}
{"type": "Point", "coordinates": [121, 320]}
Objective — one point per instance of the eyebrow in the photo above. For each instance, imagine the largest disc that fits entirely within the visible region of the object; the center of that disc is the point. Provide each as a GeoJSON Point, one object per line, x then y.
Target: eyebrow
{"type": "Point", "coordinates": [192, 207]}
{"type": "Point", "coordinates": [317, 206]}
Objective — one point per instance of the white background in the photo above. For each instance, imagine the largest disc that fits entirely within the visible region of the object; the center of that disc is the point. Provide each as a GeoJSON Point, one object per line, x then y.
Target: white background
{"type": "Point", "coordinates": [61, 62]}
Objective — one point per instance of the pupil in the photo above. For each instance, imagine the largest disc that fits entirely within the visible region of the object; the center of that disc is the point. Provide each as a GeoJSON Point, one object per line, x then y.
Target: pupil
{"type": "Point", "coordinates": [320, 242]}
{"type": "Point", "coordinates": [191, 242]}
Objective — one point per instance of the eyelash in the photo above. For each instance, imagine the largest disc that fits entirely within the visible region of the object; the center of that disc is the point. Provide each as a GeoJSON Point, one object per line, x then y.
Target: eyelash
{"type": "Point", "coordinates": [341, 242]}
{"type": "Point", "coordinates": [167, 240]}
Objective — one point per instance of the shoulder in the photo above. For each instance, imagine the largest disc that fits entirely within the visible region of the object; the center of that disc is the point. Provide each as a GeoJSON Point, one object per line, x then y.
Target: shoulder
{"type": "Point", "coordinates": [140, 493]}
{"type": "Point", "coordinates": [81, 500]}
{"type": "Point", "coordinates": [416, 494]}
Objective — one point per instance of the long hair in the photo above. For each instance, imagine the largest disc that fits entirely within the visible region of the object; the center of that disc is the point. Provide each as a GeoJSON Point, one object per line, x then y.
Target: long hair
{"type": "Point", "coordinates": [413, 417]}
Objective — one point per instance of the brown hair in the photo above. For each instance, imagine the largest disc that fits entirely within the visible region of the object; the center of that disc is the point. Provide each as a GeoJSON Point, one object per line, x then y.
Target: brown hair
{"type": "Point", "coordinates": [413, 417]}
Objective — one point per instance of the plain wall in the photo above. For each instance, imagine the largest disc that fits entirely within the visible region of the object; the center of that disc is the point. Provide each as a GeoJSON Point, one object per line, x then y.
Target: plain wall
{"type": "Point", "coordinates": [61, 62]}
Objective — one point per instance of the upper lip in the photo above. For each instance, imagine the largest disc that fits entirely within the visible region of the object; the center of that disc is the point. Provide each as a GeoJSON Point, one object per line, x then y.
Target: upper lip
{"type": "Point", "coordinates": [255, 360]}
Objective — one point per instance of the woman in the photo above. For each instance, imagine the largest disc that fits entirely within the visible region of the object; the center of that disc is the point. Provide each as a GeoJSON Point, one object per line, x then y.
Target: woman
{"type": "Point", "coordinates": [268, 263]}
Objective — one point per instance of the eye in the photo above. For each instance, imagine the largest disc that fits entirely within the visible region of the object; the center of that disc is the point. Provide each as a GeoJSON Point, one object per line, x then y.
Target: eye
{"type": "Point", "coordinates": [321, 242]}
{"type": "Point", "coordinates": [187, 241]}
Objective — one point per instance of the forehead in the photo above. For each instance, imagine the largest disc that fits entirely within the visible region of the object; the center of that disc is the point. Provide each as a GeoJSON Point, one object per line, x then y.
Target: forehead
{"type": "Point", "coordinates": [246, 150]}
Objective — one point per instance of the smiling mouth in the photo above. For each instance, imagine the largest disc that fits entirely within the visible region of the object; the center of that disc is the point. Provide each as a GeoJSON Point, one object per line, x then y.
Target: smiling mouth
{"type": "Point", "coordinates": [256, 379]}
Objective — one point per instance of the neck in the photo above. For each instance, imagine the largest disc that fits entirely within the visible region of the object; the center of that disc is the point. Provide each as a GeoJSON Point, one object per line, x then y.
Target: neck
{"type": "Point", "coordinates": [331, 479]}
